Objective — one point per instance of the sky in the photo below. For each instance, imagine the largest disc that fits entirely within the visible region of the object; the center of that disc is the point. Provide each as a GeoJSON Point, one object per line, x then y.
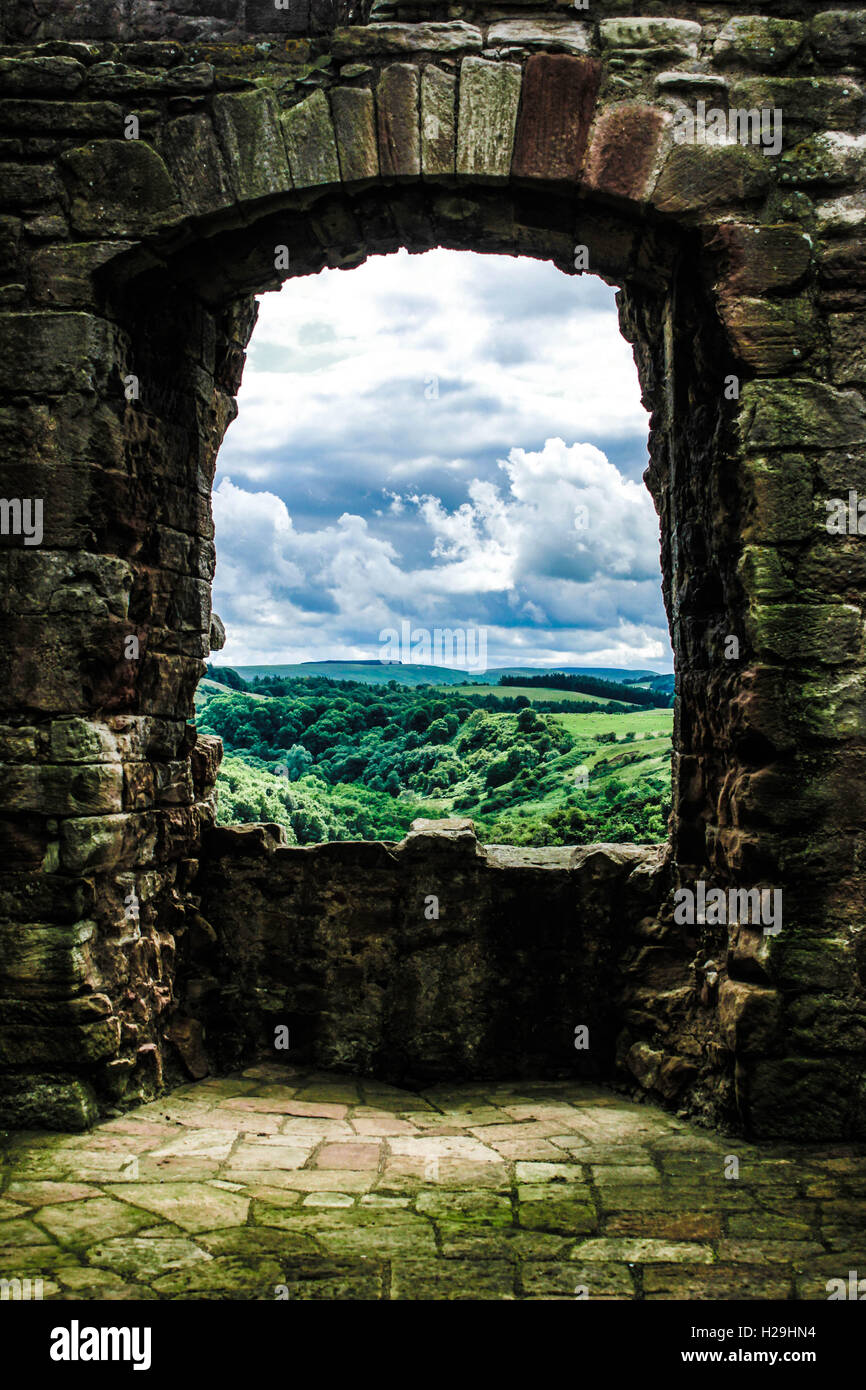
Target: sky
{"type": "Point", "coordinates": [447, 440]}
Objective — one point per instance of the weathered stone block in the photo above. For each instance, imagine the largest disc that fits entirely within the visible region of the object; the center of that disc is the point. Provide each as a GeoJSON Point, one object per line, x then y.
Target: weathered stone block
{"type": "Point", "coordinates": [193, 156]}
{"type": "Point", "coordinates": [800, 414]}
{"type": "Point", "coordinates": [63, 275]}
{"type": "Point", "coordinates": [46, 76]}
{"type": "Point", "coordinates": [695, 177]}
{"type": "Point", "coordinates": [52, 1102]}
{"type": "Point", "coordinates": [827, 634]}
{"type": "Point", "coordinates": [834, 158]}
{"type": "Point", "coordinates": [749, 1017]}
{"type": "Point", "coordinates": [797, 1097]}
{"type": "Point", "coordinates": [839, 36]}
{"type": "Point", "coordinates": [74, 790]}
{"type": "Point", "coordinates": [664, 37]}
{"type": "Point", "coordinates": [622, 157]}
{"type": "Point", "coordinates": [559, 94]}
{"type": "Point", "coordinates": [310, 143]}
{"type": "Point", "coordinates": [354, 113]}
{"type": "Point", "coordinates": [758, 42]}
{"type": "Point", "coordinates": [438, 121]}
{"type": "Point", "coordinates": [551, 35]}
{"type": "Point", "coordinates": [247, 125]}
{"type": "Point", "coordinates": [848, 348]}
{"type": "Point", "coordinates": [487, 118]}
{"type": "Point", "coordinates": [834, 103]}
{"type": "Point", "coordinates": [101, 842]}
{"type": "Point", "coordinates": [49, 354]}
{"type": "Point", "coordinates": [42, 961]}
{"type": "Point", "coordinates": [45, 1047]}
{"type": "Point", "coordinates": [65, 118]}
{"type": "Point", "coordinates": [770, 336]}
{"type": "Point", "coordinates": [205, 759]}
{"type": "Point", "coordinates": [761, 258]}
{"type": "Point", "coordinates": [29, 185]}
{"type": "Point", "coordinates": [782, 491]}
{"type": "Point", "coordinates": [398, 112]}
{"type": "Point", "coordinates": [120, 188]}
{"type": "Point", "coordinates": [405, 38]}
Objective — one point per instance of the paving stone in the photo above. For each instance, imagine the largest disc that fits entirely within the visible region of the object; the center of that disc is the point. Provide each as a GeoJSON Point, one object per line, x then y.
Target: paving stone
{"type": "Point", "coordinates": [144, 1258]}
{"type": "Point", "coordinates": [724, 1281]}
{"type": "Point", "coordinates": [255, 1278]}
{"type": "Point", "coordinates": [46, 1194]}
{"type": "Point", "coordinates": [348, 1155]}
{"type": "Point", "coordinates": [667, 1225]}
{"type": "Point", "coordinates": [798, 1254]}
{"type": "Point", "coordinates": [192, 1206]}
{"type": "Point", "coordinates": [526, 1149]}
{"type": "Point", "coordinates": [314, 1180]}
{"type": "Point", "coordinates": [381, 1128]}
{"type": "Point", "coordinates": [456, 1198]}
{"type": "Point", "coordinates": [556, 1277]}
{"type": "Point", "coordinates": [623, 1175]}
{"type": "Point", "coordinates": [299, 1130]}
{"type": "Point", "coordinates": [548, 1172]}
{"type": "Point", "coordinates": [328, 1199]}
{"type": "Point", "coordinates": [261, 1158]}
{"type": "Point", "coordinates": [316, 1278]}
{"type": "Point", "coordinates": [562, 1215]}
{"type": "Point", "coordinates": [475, 1208]}
{"type": "Point", "coordinates": [451, 1279]}
{"type": "Point", "coordinates": [82, 1223]}
{"type": "Point", "coordinates": [642, 1250]}
{"type": "Point", "coordinates": [500, 1243]}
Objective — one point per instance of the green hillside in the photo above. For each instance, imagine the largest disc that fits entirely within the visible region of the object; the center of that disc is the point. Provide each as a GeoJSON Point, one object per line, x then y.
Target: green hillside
{"type": "Point", "coordinates": [341, 760]}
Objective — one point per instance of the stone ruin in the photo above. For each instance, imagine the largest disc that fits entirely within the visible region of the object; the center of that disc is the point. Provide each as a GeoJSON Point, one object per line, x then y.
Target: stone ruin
{"type": "Point", "coordinates": [160, 161]}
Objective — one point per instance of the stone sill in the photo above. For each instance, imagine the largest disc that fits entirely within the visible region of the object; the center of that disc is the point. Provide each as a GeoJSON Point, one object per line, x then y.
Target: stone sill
{"type": "Point", "coordinates": [451, 835]}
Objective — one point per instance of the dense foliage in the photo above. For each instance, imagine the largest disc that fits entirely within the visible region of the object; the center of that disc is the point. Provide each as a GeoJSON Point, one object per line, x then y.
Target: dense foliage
{"type": "Point", "coordinates": [591, 685]}
{"type": "Point", "coordinates": [334, 760]}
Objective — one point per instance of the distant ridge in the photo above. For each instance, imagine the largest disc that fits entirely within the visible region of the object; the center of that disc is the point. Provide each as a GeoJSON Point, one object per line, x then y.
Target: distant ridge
{"type": "Point", "coordinates": [405, 673]}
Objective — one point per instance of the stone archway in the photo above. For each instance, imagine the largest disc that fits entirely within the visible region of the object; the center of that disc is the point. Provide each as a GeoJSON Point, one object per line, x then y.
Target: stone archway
{"type": "Point", "coordinates": [124, 334]}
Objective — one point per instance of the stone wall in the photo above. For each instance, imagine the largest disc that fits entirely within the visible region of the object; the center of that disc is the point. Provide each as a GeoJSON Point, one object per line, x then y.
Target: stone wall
{"type": "Point", "coordinates": [430, 960]}
{"type": "Point", "coordinates": [158, 161]}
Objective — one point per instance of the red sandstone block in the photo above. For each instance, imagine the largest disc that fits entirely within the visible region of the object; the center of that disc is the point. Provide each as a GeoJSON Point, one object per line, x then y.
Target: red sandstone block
{"type": "Point", "coordinates": [556, 111]}
{"type": "Point", "coordinates": [623, 151]}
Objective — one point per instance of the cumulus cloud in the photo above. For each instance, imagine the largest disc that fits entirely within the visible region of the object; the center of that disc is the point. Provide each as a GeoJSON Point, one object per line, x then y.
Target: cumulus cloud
{"type": "Point", "coordinates": [411, 444]}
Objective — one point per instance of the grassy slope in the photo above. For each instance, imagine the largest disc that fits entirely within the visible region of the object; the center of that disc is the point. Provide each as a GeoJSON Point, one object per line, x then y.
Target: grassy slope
{"type": "Point", "coordinates": [533, 693]}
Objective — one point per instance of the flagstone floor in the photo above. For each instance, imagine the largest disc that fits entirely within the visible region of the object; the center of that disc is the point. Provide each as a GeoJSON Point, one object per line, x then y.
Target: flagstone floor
{"type": "Point", "coordinates": [282, 1184]}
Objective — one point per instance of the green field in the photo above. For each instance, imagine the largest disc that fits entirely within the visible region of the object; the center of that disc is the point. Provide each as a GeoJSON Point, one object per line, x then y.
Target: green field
{"type": "Point", "coordinates": [336, 760]}
{"type": "Point", "coordinates": [649, 723]}
{"type": "Point", "coordinates": [534, 693]}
